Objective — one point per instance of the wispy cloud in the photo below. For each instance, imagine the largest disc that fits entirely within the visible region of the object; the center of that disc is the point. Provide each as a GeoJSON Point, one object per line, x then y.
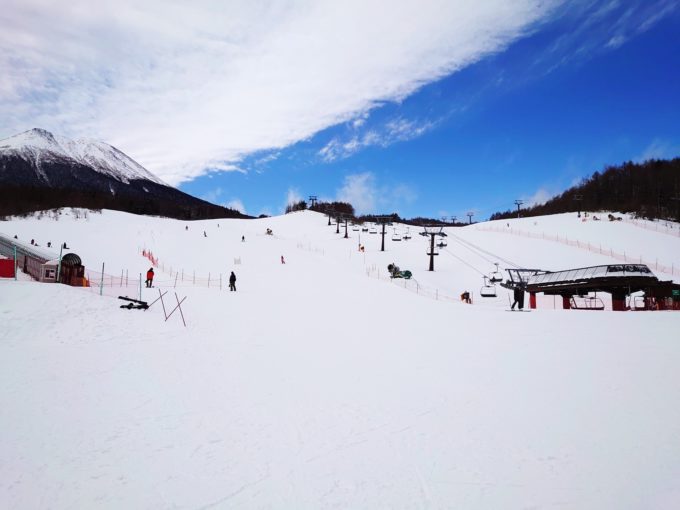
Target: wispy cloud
{"type": "Point", "coordinates": [659, 149]}
{"type": "Point", "coordinates": [216, 196]}
{"type": "Point", "coordinates": [188, 87]}
{"type": "Point", "coordinates": [596, 26]}
{"type": "Point", "coordinates": [393, 131]}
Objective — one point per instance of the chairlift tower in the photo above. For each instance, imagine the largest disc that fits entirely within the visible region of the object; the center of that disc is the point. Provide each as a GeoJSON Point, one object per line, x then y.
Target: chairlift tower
{"type": "Point", "coordinates": [518, 203]}
{"type": "Point", "coordinates": [346, 218]}
{"type": "Point", "coordinates": [578, 199]}
{"type": "Point", "coordinates": [470, 214]}
{"type": "Point", "coordinates": [313, 199]}
{"type": "Point", "coordinates": [383, 220]}
{"type": "Point", "coordinates": [676, 199]}
{"type": "Point", "coordinates": [432, 231]}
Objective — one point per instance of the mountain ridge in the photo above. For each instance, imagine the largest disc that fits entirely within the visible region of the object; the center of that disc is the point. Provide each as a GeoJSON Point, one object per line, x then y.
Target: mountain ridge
{"type": "Point", "coordinates": [40, 170]}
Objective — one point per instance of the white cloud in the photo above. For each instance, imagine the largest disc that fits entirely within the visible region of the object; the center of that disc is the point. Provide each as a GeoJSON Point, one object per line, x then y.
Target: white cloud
{"type": "Point", "coordinates": [293, 196]}
{"type": "Point", "coordinates": [540, 197]}
{"type": "Point", "coordinates": [185, 87]}
{"type": "Point", "coordinates": [212, 195]}
{"type": "Point", "coordinates": [237, 205]}
{"type": "Point", "coordinates": [360, 191]}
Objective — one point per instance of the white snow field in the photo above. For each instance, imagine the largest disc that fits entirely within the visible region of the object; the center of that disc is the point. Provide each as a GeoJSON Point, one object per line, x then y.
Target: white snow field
{"type": "Point", "coordinates": [320, 384]}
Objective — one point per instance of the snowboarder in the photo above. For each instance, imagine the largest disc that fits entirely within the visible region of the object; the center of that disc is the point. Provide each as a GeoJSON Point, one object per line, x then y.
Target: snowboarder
{"type": "Point", "coordinates": [186, 227]}
{"type": "Point", "coordinates": [32, 241]}
{"type": "Point", "coordinates": [243, 239]}
{"type": "Point", "coordinates": [465, 297]}
{"type": "Point", "coordinates": [204, 234]}
{"type": "Point", "coordinates": [232, 282]}
{"type": "Point", "coordinates": [49, 244]}
{"type": "Point", "coordinates": [149, 277]}
{"type": "Point", "coordinates": [283, 261]}
{"type": "Point", "coordinates": [518, 295]}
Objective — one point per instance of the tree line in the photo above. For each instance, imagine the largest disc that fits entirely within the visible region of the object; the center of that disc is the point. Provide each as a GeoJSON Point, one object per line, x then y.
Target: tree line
{"type": "Point", "coordinates": [649, 190]}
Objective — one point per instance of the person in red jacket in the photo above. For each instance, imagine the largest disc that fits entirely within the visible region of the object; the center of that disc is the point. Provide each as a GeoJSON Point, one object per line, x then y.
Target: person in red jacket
{"type": "Point", "coordinates": [149, 277]}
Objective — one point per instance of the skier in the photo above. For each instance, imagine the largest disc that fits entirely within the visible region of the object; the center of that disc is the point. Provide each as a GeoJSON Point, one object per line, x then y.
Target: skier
{"type": "Point", "coordinates": [149, 277]}
{"type": "Point", "coordinates": [204, 234]}
{"type": "Point", "coordinates": [283, 261]}
{"type": "Point", "coordinates": [243, 239]}
{"type": "Point", "coordinates": [232, 282]}
{"type": "Point", "coordinates": [49, 244]}
{"type": "Point", "coordinates": [518, 295]}
{"type": "Point", "coordinates": [186, 227]}
{"type": "Point", "coordinates": [465, 296]}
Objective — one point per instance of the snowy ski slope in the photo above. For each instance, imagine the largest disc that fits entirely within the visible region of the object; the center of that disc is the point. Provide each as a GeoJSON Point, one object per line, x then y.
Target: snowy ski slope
{"type": "Point", "coordinates": [321, 384]}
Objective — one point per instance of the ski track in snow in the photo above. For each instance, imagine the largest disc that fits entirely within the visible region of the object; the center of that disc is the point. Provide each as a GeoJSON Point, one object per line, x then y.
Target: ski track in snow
{"type": "Point", "coordinates": [316, 385]}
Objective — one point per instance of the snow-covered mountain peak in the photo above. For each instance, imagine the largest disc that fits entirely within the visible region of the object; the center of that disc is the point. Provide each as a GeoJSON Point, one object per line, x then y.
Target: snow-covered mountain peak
{"type": "Point", "coordinates": [40, 145]}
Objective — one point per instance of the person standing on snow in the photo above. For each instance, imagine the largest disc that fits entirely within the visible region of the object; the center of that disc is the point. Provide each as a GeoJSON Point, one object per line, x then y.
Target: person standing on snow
{"type": "Point", "coordinates": [232, 282]}
{"type": "Point", "coordinates": [149, 277]}
{"type": "Point", "coordinates": [518, 294]}
{"type": "Point", "coordinates": [283, 261]}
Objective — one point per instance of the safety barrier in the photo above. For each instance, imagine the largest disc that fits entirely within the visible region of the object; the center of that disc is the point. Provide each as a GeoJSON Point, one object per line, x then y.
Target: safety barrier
{"type": "Point", "coordinates": [609, 252]}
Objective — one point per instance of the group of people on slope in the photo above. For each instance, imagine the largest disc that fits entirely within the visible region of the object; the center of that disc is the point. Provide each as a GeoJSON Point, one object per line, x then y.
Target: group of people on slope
{"type": "Point", "coordinates": [150, 275]}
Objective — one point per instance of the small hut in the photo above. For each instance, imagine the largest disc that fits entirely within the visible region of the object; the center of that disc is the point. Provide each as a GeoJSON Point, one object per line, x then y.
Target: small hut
{"type": "Point", "coordinates": [48, 271]}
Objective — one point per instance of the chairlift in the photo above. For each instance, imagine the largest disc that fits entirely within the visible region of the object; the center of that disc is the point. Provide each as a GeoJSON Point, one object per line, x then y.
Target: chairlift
{"type": "Point", "coordinates": [586, 303]}
{"type": "Point", "coordinates": [373, 230]}
{"type": "Point", "coordinates": [355, 227]}
{"type": "Point", "coordinates": [442, 243]}
{"type": "Point", "coordinates": [496, 275]}
{"type": "Point", "coordinates": [488, 289]}
{"type": "Point", "coordinates": [406, 236]}
{"type": "Point", "coordinates": [396, 236]}
{"type": "Point", "coordinates": [364, 229]}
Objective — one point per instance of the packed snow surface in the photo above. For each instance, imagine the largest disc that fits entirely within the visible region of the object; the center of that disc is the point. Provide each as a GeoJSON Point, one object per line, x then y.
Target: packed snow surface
{"type": "Point", "coordinates": [321, 384]}
{"type": "Point", "coordinates": [39, 145]}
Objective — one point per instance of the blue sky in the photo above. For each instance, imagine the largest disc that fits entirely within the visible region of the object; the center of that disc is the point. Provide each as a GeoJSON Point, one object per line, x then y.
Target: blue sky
{"type": "Point", "coordinates": [525, 123]}
{"type": "Point", "coordinates": [420, 107]}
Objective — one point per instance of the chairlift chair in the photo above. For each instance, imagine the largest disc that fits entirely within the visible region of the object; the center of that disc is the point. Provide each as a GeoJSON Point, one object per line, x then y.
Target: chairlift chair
{"type": "Point", "coordinates": [396, 236]}
{"type": "Point", "coordinates": [406, 236]}
{"type": "Point", "coordinates": [442, 243]}
{"type": "Point", "coordinates": [496, 275]}
{"type": "Point", "coordinates": [587, 303]}
{"type": "Point", "coordinates": [488, 289]}
{"type": "Point", "coordinates": [373, 230]}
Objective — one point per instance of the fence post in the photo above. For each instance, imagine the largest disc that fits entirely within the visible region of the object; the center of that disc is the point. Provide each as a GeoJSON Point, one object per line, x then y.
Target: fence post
{"type": "Point", "coordinates": [101, 283]}
{"type": "Point", "coordinates": [194, 282]}
{"type": "Point", "coordinates": [176, 273]}
{"type": "Point", "coordinates": [208, 280]}
{"type": "Point", "coordinates": [140, 286]}
{"type": "Point", "coordinates": [121, 278]}
{"type": "Point", "coordinates": [126, 278]}
{"type": "Point", "coordinates": [15, 265]}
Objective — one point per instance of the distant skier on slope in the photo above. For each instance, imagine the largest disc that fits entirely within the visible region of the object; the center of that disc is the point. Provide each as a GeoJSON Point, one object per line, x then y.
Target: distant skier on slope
{"type": "Point", "coordinates": [283, 261]}
{"type": "Point", "coordinates": [232, 282]}
{"type": "Point", "coordinates": [149, 277]}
